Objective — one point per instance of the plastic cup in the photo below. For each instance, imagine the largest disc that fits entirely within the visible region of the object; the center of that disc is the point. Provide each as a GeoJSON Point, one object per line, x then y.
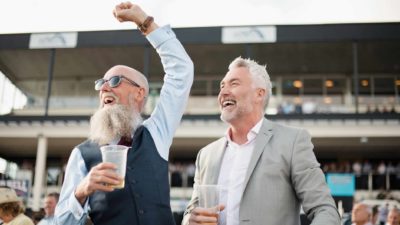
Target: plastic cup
{"type": "Point", "coordinates": [117, 155]}
{"type": "Point", "coordinates": [210, 196]}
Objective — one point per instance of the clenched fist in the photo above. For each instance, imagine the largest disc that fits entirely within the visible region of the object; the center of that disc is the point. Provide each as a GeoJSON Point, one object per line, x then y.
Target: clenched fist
{"type": "Point", "coordinates": [127, 11]}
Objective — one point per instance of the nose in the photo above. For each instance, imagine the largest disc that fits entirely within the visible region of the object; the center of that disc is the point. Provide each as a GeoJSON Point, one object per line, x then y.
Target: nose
{"type": "Point", "coordinates": [224, 90]}
{"type": "Point", "coordinates": [105, 87]}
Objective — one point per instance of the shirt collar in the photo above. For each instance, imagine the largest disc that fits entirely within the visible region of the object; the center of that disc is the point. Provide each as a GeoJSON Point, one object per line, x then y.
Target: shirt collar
{"type": "Point", "coordinates": [250, 136]}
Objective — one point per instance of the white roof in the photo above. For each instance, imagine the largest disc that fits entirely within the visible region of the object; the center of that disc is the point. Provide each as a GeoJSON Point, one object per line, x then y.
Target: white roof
{"type": "Point", "coordinates": [89, 15]}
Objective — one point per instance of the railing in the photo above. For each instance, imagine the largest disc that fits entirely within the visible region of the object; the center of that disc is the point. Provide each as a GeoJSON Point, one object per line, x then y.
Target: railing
{"type": "Point", "coordinates": [329, 117]}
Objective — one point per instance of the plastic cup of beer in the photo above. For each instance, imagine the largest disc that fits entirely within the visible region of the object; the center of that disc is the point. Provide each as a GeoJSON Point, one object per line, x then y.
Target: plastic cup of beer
{"type": "Point", "coordinates": [210, 196]}
{"type": "Point", "coordinates": [117, 155]}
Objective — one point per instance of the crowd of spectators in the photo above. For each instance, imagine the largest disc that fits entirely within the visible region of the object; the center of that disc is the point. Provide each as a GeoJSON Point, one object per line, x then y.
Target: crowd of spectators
{"type": "Point", "coordinates": [311, 107]}
{"type": "Point", "coordinates": [182, 174]}
{"type": "Point", "coordinates": [382, 173]}
{"type": "Point", "coordinates": [377, 175]}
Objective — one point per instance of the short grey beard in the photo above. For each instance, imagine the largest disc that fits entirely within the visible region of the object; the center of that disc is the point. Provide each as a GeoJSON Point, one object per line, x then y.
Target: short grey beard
{"type": "Point", "coordinates": [229, 116]}
{"type": "Point", "coordinates": [108, 124]}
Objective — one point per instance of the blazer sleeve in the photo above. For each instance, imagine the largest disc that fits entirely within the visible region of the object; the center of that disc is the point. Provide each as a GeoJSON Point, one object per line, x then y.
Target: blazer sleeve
{"type": "Point", "coordinates": [193, 203]}
{"type": "Point", "coordinates": [309, 183]}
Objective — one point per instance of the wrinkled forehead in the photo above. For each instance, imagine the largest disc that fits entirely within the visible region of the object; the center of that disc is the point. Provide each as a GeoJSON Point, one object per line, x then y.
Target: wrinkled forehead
{"type": "Point", "coordinates": [120, 70]}
{"type": "Point", "coordinates": [50, 198]}
{"type": "Point", "coordinates": [361, 207]}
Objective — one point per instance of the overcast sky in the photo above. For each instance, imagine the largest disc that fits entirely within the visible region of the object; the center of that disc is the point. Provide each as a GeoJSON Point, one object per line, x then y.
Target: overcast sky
{"type": "Point", "coordinates": [26, 16]}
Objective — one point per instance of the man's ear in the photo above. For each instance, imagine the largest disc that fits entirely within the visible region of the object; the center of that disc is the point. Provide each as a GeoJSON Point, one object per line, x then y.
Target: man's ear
{"type": "Point", "coordinates": [261, 92]}
{"type": "Point", "coordinates": [140, 95]}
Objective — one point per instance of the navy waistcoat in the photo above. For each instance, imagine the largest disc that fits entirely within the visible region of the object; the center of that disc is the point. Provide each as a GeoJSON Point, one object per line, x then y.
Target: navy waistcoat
{"type": "Point", "coordinates": [145, 198]}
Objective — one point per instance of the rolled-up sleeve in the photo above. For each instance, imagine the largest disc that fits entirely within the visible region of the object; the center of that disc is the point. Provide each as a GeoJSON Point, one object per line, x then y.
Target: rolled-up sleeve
{"type": "Point", "coordinates": [174, 94]}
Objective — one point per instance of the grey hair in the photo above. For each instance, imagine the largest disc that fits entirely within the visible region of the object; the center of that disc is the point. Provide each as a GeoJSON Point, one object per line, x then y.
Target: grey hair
{"type": "Point", "coordinates": [259, 75]}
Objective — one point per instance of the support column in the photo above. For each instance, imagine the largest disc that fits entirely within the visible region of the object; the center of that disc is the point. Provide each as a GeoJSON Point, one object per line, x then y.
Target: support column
{"type": "Point", "coordinates": [39, 172]}
{"type": "Point", "coordinates": [50, 80]}
{"type": "Point", "coordinates": [278, 88]}
{"type": "Point", "coordinates": [355, 75]}
{"type": "Point", "coordinates": [347, 93]}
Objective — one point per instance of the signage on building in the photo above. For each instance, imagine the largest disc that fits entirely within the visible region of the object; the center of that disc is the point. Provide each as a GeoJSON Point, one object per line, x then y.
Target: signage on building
{"type": "Point", "coordinates": [53, 40]}
{"type": "Point", "coordinates": [341, 184]}
{"type": "Point", "coordinates": [22, 187]}
{"type": "Point", "coordinates": [251, 34]}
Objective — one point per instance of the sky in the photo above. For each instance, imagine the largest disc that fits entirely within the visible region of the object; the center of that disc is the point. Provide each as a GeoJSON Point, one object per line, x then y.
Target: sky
{"type": "Point", "coordinates": [36, 16]}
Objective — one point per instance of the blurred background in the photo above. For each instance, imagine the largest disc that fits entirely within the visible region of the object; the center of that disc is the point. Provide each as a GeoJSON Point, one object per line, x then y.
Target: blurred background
{"type": "Point", "coordinates": [334, 66]}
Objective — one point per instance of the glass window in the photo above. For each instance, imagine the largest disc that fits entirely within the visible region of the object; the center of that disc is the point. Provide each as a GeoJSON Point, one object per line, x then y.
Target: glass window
{"type": "Point", "coordinates": [215, 87]}
{"type": "Point", "coordinates": [335, 86]}
{"type": "Point", "coordinates": [291, 86]}
{"type": "Point", "coordinates": [53, 174]}
{"type": "Point", "coordinates": [384, 86]}
{"type": "Point", "coordinates": [199, 87]}
{"type": "Point", "coordinates": [273, 83]}
{"type": "Point", "coordinates": [312, 86]}
{"type": "Point", "coordinates": [364, 86]}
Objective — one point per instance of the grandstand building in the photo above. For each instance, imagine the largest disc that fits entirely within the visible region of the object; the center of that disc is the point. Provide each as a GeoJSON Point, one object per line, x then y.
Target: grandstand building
{"type": "Point", "coordinates": [339, 81]}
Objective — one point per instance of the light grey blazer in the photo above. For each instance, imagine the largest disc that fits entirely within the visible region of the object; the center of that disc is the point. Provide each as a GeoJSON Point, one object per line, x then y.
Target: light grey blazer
{"type": "Point", "coordinates": [283, 174]}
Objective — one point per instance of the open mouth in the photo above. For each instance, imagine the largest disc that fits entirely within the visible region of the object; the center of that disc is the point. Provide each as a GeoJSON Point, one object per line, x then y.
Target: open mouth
{"type": "Point", "coordinates": [108, 100]}
{"type": "Point", "coordinates": [228, 103]}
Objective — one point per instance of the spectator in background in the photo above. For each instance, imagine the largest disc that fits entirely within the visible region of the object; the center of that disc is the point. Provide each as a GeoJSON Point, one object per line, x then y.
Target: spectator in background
{"type": "Point", "coordinates": [393, 217]}
{"type": "Point", "coordinates": [366, 170]}
{"type": "Point", "coordinates": [298, 106]}
{"type": "Point", "coordinates": [377, 111]}
{"type": "Point", "coordinates": [361, 214]}
{"type": "Point", "coordinates": [383, 214]}
{"type": "Point", "coordinates": [309, 107]}
{"type": "Point", "coordinates": [393, 109]}
{"type": "Point", "coordinates": [397, 179]}
{"type": "Point", "coordinates": [50, 203]}
{"type": "Point", "coordinates": [176, 175]}
{"type": "Point", "coordinates": [381, 177]}
{"type": "Point", "coordinates": [368, 110]}
{"type": "Point", "coordinates": [390, 169]}
{"type": "Point", "coordinates": [375, 211]}
{"type": "Point", "coordinates": [12, 209]}
{"type": "Point", "coordinates": [190, 170]}
{"type": "Point", "coordinates": [357, 168]}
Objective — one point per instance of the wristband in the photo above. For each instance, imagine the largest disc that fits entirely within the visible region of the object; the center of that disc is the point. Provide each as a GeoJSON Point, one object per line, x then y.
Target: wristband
{"type": "Point", "coordinates": [146, 24]}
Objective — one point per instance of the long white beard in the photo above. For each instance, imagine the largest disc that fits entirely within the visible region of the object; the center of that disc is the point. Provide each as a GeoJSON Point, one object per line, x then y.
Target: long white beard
{"type": "Point", "coordinates": [109, 123]}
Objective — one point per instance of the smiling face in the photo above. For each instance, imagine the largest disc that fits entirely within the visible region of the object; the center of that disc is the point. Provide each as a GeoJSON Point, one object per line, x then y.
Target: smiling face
{"type": "Point", "coordinates": [125, 93]}
{"type": "Point", "coordinates": [393, 217]}
{"type": "Point", "coordinates": [50, 205]}
{"type": "Point", "coordinates": [120, 106]}
{"type": "Point", "coordinates": [239, 99]}
{"type": "Point", "coordinates": [360, 214]}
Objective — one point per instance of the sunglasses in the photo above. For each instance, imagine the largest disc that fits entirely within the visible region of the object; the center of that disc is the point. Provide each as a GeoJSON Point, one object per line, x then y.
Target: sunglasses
{"type": "Point", "coordinates": [113, 82]}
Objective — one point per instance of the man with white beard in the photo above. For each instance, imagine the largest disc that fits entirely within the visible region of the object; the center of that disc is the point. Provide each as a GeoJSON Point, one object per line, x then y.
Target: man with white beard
{"type": "Point", "coordinates": [87, 189]}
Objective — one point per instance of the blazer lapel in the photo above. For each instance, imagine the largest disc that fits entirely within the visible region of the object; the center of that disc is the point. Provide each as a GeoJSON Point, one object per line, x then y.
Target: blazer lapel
{"type": "Point", "coordinates": [261, 140]}
{"type": "Point", "coordinates": [215, 161]}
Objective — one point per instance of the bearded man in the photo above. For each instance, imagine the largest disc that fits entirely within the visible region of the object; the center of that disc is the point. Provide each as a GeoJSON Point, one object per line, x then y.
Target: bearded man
{"type": "Point", "coordinates": [88, 185]}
